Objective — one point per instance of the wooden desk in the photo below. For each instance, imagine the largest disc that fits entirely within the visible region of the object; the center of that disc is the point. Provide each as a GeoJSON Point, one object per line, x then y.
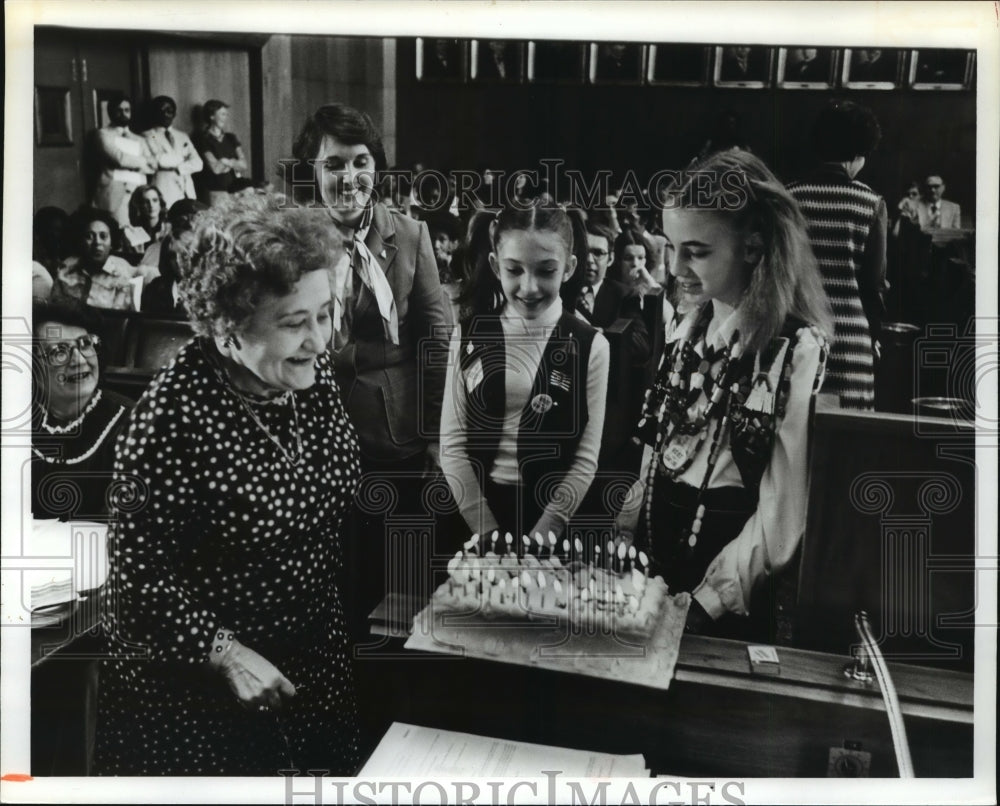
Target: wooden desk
{"type": "Point", "coordinates": [716, 719]}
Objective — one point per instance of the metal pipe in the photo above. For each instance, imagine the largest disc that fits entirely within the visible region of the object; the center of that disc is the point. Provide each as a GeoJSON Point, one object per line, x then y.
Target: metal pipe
{"type": "Point", "coordinates": [895, 714]}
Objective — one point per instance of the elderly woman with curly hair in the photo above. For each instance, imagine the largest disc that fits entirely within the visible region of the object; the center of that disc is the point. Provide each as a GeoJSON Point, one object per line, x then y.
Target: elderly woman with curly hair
{"type": "Point", "coordinates": [230, 655]}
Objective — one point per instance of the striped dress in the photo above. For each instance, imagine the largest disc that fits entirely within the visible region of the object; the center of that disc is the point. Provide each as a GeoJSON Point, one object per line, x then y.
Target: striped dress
{"type": "Point", "coordinates": [841, 213]}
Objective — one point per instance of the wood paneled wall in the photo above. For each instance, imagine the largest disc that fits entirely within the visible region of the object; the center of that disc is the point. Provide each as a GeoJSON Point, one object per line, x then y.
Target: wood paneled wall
{"type": "Point", "coordinates": [191, 75]}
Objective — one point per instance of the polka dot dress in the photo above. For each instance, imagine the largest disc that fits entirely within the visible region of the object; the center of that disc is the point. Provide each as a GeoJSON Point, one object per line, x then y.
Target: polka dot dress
{"type": "Point", "coordinates": [215, 527]}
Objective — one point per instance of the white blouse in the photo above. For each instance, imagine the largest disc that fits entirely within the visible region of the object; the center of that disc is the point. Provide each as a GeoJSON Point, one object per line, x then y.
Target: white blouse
{"type": "Point", "coordinates": [525, 343]}
{"type": "Point", "coordinates": [770, 537]}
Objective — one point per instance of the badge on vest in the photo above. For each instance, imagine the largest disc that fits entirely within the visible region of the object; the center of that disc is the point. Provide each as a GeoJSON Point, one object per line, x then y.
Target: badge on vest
{"type": "Point", "coordinates": [474, 375]}
{"type": "Point", "coordinates": [541, 403]}
{"type": "Point", "coordinates": [560, 380]}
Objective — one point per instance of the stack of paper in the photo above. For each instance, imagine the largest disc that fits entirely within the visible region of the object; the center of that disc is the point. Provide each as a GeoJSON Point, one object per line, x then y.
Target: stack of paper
{"type": "Point", "coordinates": [71, 558]}
{"type": "Point", "coordinates": [411, 751]}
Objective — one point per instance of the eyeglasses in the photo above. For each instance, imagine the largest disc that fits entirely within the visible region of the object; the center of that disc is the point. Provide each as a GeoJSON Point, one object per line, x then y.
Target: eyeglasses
{"type": "Point", "coordinates": [599, 253]}
{"type": "Point", "coordinates": [59, 354]}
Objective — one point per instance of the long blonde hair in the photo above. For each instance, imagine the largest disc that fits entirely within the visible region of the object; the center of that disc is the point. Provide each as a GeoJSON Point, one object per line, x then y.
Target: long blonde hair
{"type": "Point", "coordinates": [787, 281]}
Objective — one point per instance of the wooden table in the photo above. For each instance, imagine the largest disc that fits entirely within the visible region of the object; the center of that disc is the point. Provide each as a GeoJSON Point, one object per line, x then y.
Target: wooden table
{"type": "Point", "coordinates": [716, 719]}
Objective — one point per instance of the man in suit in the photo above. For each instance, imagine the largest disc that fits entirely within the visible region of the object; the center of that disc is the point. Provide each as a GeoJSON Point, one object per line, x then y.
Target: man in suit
{"type": "Point", "coordinates": [176, 157]}
{"type": "Point", "coordinates": [124, 161]}
{"type": "Point", "coordinates": [934, 211]}
{"type": "Point", "coordinates": [602, 302]}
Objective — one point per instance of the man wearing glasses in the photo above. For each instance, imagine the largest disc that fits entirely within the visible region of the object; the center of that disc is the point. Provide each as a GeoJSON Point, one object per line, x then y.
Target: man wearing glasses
{"type": "Point", "coordinates": [934, 211]}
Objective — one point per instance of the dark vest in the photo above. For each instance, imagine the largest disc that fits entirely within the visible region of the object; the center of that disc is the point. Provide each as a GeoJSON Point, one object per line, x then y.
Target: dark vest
{"type": "Point", "coordinates": [555, 416]}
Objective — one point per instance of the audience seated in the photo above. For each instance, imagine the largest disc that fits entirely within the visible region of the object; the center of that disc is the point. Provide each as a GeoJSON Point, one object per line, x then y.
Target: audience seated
{"type": "Point", "coordinates": [148, 226]}
{"type": "Point", "coordinates": [162, 296]}
{"type": "Point", "coordinates": [92, 274]}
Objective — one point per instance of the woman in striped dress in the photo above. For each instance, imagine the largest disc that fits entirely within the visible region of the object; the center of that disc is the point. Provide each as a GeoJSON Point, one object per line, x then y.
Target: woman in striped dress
{"type": "Point", "coordinates": [847, 227]}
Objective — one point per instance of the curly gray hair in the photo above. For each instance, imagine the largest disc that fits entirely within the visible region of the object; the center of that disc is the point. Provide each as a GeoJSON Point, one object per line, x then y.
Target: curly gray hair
{"type": "Point", "coordinates": [245, 248]}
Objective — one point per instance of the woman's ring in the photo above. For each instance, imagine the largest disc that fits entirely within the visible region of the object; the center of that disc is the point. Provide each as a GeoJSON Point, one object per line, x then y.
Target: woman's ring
{"type": "Point", "coordinates": [263, 708]}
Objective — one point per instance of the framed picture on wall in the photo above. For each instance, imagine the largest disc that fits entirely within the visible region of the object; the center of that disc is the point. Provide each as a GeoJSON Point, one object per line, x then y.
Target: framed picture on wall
{"type": "Point", "coordinates": [941, 69]}
{"type": "Point", "coordinates": [499, 61]}
{"type": "Point", "coordinates": [746, 66]}
{"type": "Point", "coordinates": [53, 123]}
{"type": "Point", "coordinates": [678, 65]}
{"type": "Point", "coordinates": [807, 68]}
{"type": "Point", "coordinates": [616, 63]}
{"type": "Point", "coordinates": [871, 68]}
{"type": "Point", "coordinates": [441, 59]}
{"type": "Point", "coordinates": [556, 62]}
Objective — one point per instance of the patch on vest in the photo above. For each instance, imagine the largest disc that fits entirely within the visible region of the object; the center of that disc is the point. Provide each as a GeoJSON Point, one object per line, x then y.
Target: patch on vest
{"type": "Point", "coordinates": [541, 403]}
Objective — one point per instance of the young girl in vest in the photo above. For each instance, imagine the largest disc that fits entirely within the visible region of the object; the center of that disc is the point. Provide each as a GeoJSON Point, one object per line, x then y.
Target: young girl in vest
{"type": "Point", "coordinates": [721, 500]}
{"type": "Point", "coordinates": [524, 399]}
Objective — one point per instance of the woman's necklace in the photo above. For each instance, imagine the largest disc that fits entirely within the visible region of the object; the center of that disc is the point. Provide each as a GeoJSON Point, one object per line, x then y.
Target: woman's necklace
{"type": "Point", "coordinates": [691, 397]}
{"type": "Point", "coordinates": [294, 459]}
{"type": "Point", "coordinates": [72, 426]}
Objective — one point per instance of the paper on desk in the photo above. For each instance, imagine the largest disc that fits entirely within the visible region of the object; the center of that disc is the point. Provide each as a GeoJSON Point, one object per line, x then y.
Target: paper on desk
{"type": "Point", "coordinates": [412, 751]}
{"type": "Point", "coordinates": [71, 557]}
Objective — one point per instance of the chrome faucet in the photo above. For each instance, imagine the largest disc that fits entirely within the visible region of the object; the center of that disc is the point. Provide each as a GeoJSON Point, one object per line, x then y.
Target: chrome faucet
{"type": "Point", "coordinates": [869, 664]}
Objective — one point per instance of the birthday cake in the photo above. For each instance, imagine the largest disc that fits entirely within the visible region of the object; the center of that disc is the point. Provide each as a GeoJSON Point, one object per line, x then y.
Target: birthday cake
{"type": "Point", "coordinates": [612, 592]}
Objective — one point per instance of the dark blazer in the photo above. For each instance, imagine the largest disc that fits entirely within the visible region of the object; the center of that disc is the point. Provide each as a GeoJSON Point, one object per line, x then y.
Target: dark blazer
{"type": "Point", "coordinates": [158, 299]}
{"type": "Point", "coordinates": [614, 301]}
{"type": "Point", "coordinates": [393, 392]}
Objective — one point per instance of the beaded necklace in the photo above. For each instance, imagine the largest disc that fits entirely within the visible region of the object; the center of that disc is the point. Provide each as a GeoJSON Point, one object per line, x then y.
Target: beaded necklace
{"type": "Point", "coordinates": [744, 401]}
{"type": "Point", "coordinates": [691, 398]}
{"type": "Point", "coordinates": [65, 429]}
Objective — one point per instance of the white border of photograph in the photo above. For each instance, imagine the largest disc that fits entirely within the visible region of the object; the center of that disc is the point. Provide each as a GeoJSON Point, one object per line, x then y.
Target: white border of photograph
{"type": "Point", "coordinates": [970, 67]}
{"type": "Point", "coordinates": [845, 71]}
{"type": "Point", "coordinates": [746, 85]}
{"type": "Point", "coordinates": [807, 85]}
{"type": "Point", "coordinates": [706, 56]}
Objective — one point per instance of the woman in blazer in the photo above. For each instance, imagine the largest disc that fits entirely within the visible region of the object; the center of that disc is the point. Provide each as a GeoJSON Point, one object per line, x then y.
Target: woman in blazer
{"type": "Point", "coordinates": [390, 338]}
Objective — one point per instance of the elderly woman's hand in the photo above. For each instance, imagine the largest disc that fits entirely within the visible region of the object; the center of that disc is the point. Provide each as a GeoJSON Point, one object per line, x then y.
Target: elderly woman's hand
{"type": "Point", "coordinates": [255, 681]}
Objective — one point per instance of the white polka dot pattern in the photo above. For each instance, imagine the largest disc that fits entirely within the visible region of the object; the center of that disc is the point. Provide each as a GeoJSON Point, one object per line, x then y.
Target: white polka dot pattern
{"type": "Point", "coordinates": [231, 535]}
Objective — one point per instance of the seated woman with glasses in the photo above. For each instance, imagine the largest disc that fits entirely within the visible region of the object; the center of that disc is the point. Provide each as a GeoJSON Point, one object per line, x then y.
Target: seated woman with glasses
{"type": "Point", "coordinates": [74, 423]}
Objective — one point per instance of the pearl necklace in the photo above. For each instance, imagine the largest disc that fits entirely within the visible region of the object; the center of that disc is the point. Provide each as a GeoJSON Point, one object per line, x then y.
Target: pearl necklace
{"type": "Point", "coordinates": [65, 429]}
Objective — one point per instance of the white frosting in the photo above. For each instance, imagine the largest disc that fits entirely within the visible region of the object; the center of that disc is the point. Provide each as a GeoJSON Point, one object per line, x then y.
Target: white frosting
{"type": "Point", "coordinates": [526, 587]}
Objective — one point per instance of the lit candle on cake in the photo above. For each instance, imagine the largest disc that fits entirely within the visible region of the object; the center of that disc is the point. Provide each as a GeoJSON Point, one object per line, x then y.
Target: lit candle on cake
{"type": "Point", "coordinates": [644, 560]}
{"type": "Point", "coordinates": [493, 540]}
{"type": "Point", "coordinates": [621, 558]}
{"type": "Point", "coordinates": [541, 543]}
{"type": "Point", "coordinates": [541, 587]}
{"type": "Point", "coordinates": [527, 543]}
{"type": "Point", "coordinates": [552, 543]}
{"type": "Point", "coordinates": [578, 545]}
{"type": "Point", "coordinates": [502, 589]}
{"type": "Point", "coordinates": [611, 556]}
{"type": "Point", "coordinates": [566, 549]}
{"type": "Point", "coordinates": [557, 592]}
{"type": "Point", "coordinates": [631, 556]}
{"type": "Point", "coordinates": [509, 540]}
